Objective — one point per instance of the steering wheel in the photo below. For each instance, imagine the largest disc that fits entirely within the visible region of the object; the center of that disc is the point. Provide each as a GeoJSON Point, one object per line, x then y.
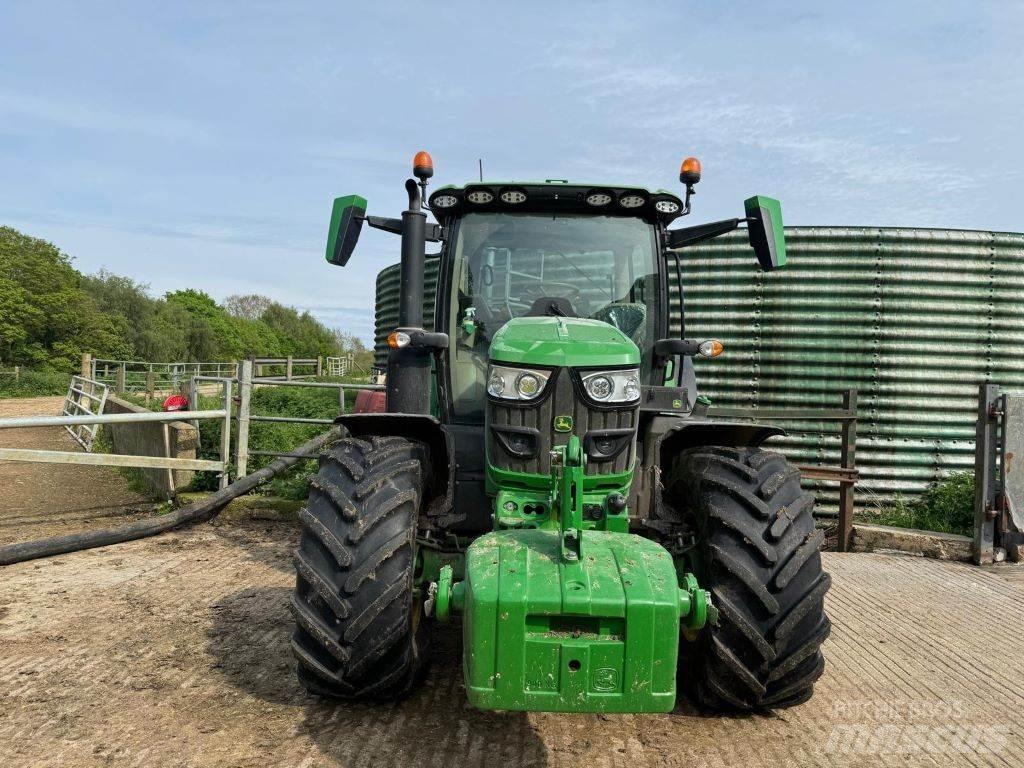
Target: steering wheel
{"type": "Point", "coordinates": [542, 290]}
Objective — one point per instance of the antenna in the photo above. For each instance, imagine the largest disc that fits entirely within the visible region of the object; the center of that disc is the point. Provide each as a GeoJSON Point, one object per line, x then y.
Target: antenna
{"type": "Point", "coordinates": [480, 162]}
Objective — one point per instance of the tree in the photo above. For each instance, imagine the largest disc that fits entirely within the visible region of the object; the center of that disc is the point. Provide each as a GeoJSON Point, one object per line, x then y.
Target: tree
{"type": "Point", "coordinates": [50, 314]}
{"type": "Point", "coordinates": [47, 318]}
{"type": "Point", "coordinates": [248, 307]}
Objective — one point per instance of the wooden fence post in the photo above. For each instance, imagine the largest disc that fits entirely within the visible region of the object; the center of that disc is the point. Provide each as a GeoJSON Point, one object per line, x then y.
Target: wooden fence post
{"type": "Point", "coordinates": [319, 366]}
{"type": "Point", "coordinates": [120, 382]}
{"type": "Point", "coordinates": [848, 460]}
{"type": "Point", "coordinates": [150, 386]}
{"type": "Point", "coordinates": [86, 366]}
{"type": "Point", "coordinates": [288, 369]}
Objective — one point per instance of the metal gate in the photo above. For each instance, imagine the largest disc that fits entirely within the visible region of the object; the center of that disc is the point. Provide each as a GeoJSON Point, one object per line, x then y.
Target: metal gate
{"type": "Point", "coordinates": [85, 397]}
{"type": "Point", "coordinates": [999, 476]}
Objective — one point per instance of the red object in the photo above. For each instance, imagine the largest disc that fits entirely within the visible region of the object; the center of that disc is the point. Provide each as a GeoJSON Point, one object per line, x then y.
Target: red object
{"type": "Point", "coordinates": [176, 403]}
{"type": "Point", "coordinates": [370, 401]}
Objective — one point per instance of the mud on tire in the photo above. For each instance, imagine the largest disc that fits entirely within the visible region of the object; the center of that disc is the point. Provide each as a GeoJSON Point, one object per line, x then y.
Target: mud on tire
{"type": "Point", "coordinates": [758, 554]}
{"type": "Point", "coordinates": [357, 633]}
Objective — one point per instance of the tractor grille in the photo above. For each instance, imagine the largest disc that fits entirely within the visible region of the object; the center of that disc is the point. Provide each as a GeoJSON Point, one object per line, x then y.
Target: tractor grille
{"type": "Point", "coordinates": [532, 426]}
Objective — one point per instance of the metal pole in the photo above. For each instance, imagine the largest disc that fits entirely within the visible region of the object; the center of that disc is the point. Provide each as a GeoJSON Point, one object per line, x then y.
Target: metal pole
{"type": "Point", "coordinates": [20, 422]}
{"type": "Point", "coordinates": [408, 382]}
{"type": "Point", "coordinates": [985, 475]}
{"type": "Point", "coordinates": [848, 460]}
{"type": "Point", "coordinates": [225, 436]}
{"type": "Point", "coordinates": [244, 397]}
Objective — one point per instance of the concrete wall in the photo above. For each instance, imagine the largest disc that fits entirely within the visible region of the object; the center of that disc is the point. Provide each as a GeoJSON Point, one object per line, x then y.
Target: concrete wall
{"type": "Point", "coordinates": [148, 440]}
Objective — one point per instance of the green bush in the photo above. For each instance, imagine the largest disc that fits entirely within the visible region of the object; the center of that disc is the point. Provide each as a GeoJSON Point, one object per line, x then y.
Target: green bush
{"type": "Point", "coordinates": [34, 383]}
{"type": "Point", "coordinates": [946, 507]}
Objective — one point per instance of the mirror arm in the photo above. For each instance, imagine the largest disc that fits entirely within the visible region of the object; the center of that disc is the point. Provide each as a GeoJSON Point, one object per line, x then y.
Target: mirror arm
{"type": "Point", "coordinates": [394, 226]}
{"type": "Point", "coordinates": [681, 238]}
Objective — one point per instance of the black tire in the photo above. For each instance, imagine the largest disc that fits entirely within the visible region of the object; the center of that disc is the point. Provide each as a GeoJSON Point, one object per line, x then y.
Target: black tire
{"type": "Point", "coordinates": [357, 628]}
{"type": "Point", "coordinates": [758, 553]}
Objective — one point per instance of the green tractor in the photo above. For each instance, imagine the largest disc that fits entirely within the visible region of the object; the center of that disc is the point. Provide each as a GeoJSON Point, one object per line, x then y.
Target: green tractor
{"type": "Point", "coordinates": [545, 471]}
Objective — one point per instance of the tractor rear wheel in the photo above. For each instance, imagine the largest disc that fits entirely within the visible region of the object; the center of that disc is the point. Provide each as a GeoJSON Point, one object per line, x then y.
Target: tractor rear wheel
{"type": "Point", "coordinates": [757, 552]}
{"type": "Point", "coordinates": [357, 628]}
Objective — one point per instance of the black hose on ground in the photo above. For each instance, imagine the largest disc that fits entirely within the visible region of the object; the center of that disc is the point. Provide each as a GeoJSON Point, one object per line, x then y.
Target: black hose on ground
{"type": "Point", "coordinates": [198, 512]}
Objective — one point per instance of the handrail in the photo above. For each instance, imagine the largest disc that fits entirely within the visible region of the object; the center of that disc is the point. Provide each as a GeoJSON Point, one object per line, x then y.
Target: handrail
{"type": "Point", "coordinates": [20, 422]}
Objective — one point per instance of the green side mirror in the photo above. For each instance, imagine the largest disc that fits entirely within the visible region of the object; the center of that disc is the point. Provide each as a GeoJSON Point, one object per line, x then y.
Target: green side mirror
{"type": "Point", "coordinates": [346, 221]}
{"type": "Point", "coordinates": [764, 228]}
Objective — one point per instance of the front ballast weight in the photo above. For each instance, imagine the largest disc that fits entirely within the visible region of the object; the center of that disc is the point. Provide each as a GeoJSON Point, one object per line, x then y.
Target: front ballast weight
{"type": "Point", "coordinates": [570, 619]}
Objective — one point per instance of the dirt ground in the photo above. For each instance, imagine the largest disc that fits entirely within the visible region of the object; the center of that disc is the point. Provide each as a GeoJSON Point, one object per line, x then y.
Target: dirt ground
{"type": "Point", "coordinates": [173, 651]}
{"type": "Point", "coordinates": [51, 499]}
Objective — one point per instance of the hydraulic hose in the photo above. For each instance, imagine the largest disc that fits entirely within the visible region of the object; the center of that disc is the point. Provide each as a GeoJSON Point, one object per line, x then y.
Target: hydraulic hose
{"type": "Point", "coordinates": [198, 512]}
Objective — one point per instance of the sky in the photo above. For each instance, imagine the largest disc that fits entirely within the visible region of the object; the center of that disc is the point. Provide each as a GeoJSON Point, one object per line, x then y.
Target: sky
{"type": "Point", "coordinates": [199, 145]}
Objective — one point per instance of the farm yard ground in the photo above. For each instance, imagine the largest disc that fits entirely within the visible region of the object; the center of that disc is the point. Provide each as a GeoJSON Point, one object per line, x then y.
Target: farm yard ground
{"type": "Point", "coordinates": [39, 500]}
{"type": "Point", "coordinates": [173, 651]}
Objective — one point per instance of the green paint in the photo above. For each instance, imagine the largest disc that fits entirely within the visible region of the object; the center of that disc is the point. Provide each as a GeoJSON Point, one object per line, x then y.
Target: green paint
{"type": "Point", "coordinates": [766, 232]}
{"type": "Point", "coordinates": [563, 424]}
{"type": "Point", "coordinates": [545, 634]}
{"type": "Point", "coordinates": [560, 342]}
{"type": "Point", "coordinates": [343, 223]}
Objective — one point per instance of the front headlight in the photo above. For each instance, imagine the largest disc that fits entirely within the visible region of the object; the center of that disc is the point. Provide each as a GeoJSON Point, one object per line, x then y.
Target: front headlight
{"type": "Point", "coordinates": [516, 383]}
{"type": "Point", "coordinates": [622, 386]}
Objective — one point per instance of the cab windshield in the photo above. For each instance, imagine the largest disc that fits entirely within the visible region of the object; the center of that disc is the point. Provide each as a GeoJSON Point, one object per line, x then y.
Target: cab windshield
{"type": "Point", "coordinates": [572, 265]}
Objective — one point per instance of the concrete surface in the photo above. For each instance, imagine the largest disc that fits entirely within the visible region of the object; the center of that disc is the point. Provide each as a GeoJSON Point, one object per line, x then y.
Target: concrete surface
{"type": "Point", "coordinates": [173, 651]}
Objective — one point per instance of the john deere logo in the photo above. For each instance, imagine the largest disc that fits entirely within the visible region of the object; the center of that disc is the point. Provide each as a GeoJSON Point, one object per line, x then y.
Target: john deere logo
{"type": "Point", "coordinates": [563, 423]}
{"type": "Point", "coordinates": [606, 679]}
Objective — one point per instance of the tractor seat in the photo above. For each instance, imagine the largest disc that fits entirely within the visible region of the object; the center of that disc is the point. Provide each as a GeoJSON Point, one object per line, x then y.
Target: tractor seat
{"type": "Point", "coordinates": [630, 318]}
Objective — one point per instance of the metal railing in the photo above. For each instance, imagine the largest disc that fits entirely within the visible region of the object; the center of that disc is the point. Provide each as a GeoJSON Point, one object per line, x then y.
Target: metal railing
{"type": "Point", "coordinates": [341, 366]}
{"type": "Point", "coordinates": [82, 413]}
{"type": "Point", "coordinates": [246, 380]}
{"type": "Point", "coordinates": [70, 421]}
{"type": "Point", "coordinates": [137, 376]}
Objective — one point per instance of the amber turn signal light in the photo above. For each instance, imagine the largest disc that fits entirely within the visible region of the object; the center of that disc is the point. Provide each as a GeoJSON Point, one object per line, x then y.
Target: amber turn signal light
{"type": "Point", "coordinates": [710, 348]}
{"type": "Point", "coordinates": [398, 339]}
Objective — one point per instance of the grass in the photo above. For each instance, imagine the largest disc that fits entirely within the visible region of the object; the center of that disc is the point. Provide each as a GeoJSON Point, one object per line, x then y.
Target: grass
{"type": "Point", "coordinates": [946, 507]}
{"type": "Point", "coordinates": [33, 383]}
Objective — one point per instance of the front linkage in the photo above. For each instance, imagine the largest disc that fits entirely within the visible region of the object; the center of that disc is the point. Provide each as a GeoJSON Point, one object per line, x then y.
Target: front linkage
{"type": "Point", "coordinates": [570, 619]}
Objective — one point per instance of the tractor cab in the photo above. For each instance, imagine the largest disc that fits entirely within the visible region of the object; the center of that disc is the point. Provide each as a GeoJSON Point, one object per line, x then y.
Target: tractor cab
{"type": "Point", "coordinates": [553, 250]}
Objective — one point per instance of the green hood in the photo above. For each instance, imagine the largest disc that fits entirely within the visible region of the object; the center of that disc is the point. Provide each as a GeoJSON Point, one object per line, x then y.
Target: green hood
{"type": "Point", "coordinates": [563, 342]}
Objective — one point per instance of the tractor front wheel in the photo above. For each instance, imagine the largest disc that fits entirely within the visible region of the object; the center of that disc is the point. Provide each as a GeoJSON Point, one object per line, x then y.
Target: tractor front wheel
{"type": "Point", "coordinates": [756, 550]}
{"type": "Point", "coordinates": [358, 633]}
